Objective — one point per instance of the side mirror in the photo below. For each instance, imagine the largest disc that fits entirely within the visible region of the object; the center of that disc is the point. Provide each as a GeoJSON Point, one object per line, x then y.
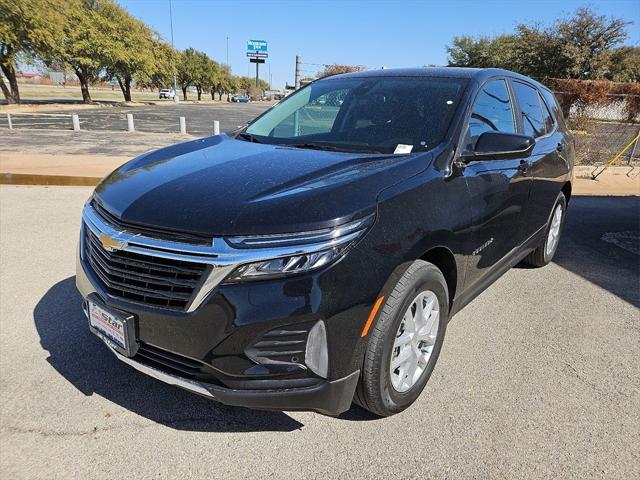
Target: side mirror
{"type": "Point", "coordinates": [501, 146]}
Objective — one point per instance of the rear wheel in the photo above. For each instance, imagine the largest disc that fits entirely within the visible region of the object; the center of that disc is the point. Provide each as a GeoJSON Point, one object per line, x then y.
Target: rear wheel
{"type": "Point", "coordinates": [544, 253]}
{"type": "Point", "coordinates": [405, 341]}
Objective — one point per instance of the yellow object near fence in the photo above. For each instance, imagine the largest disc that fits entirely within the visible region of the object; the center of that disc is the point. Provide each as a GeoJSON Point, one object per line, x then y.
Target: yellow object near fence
{"type": "Point", "coordinates": [622, 152]}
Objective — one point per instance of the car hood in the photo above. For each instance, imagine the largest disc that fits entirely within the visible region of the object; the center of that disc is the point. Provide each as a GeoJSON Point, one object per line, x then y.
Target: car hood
{"type": "Point", "coordinates": [222, 186]}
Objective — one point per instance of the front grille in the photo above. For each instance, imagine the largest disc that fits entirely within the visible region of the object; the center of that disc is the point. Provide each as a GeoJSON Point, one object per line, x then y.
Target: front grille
{"type": "Point", "coordinates": [157, 233]}
{"type": "Point", "coordinates": [146, 279]}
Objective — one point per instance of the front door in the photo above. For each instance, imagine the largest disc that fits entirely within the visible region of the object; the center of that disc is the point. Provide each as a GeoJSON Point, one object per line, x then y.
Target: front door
{"type": "Point", "coordinates": [499, 189]}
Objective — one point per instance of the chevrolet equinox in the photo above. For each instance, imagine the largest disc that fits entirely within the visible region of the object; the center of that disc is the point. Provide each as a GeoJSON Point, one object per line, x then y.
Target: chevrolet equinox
{"type": "Point", "coordinates": [314, 256]}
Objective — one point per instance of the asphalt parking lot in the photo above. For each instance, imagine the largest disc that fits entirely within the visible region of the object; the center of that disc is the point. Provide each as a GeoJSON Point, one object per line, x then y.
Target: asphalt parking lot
{"type": "Point", "coordinates": [539, 376]}
{"type": "Point", "coordinates": [149, 118]}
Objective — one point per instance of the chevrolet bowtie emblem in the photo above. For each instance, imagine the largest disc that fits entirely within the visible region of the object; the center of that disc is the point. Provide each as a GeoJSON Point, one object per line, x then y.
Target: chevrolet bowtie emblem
{"type": "Point", "coordinates": [111, 244]}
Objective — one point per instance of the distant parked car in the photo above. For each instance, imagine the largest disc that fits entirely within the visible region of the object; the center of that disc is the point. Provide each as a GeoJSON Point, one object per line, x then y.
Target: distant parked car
{"type": "Point", "coordinates": [241, 99]}
{"type": "Point", "coordinates": [169, 93]}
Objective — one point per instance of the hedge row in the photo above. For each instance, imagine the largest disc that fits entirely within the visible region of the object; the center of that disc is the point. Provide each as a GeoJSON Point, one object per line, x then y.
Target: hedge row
{"type": "Point", "coordinates": [588, 93]}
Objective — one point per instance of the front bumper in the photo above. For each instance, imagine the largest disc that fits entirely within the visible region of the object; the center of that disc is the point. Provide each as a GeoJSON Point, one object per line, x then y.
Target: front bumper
{"type": "Point", "coordinates": [218, 337]}
{"type": "Point", "coordinates": [328, 397]}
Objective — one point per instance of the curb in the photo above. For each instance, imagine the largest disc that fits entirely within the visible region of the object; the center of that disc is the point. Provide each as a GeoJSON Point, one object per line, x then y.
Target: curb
{"type": "Point", "coordinates": [59, 180]}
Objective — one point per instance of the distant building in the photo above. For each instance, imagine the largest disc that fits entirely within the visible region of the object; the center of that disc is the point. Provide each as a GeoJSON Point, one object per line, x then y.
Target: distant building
{"type": "Point", "coordinates": [28, 75]}
{"type": "Point", "coordinates": [57, 77]}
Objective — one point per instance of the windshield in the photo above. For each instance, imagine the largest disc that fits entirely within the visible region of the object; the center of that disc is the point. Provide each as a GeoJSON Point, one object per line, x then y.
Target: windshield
{"type": "Point", "coordinates": [369, 114]}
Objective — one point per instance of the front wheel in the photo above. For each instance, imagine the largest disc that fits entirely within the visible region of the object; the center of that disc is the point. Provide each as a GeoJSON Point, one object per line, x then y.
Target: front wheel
{"type": "Point", "coordinates": [405, 340]}
{"type": "Point", "coordinates": [544, 253]}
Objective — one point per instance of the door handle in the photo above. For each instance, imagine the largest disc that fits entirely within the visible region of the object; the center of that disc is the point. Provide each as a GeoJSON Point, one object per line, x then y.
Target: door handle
{"type": "Point", "coordinates": [524, 165]}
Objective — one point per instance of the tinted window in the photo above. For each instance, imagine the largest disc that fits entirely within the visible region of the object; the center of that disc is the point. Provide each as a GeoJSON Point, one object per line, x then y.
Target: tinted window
{"type": "Point", "coordinates": [531, 110]}
{"type": "Point", "coordinates": [369, 114]}
{"type": "Point", "coordinates": [548, 118]}
{"type": "Point", "coordinates": [492, 112]}
{"type": "Point", "coordinates": [552, 103]}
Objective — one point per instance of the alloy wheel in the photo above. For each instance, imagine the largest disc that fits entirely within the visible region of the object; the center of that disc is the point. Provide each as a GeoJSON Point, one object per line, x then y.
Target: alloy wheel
{"type": "Point", "coordinates": [414, 341]}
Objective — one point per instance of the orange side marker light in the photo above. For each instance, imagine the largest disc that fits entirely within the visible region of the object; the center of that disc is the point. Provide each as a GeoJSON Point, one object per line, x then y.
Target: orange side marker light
{"type": "Point", "coordinates": [372, 315]}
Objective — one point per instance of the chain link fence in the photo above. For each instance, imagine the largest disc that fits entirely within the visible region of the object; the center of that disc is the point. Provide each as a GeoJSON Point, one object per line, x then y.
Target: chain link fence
{"type": "Point", "coordinates": [604, 133]}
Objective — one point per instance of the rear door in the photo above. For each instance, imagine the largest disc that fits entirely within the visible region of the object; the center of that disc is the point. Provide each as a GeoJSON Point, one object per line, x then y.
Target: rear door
{"type": "Point", "coordinates": [545, 167]}
{"type": "Point", "coordinates": [499, 188]}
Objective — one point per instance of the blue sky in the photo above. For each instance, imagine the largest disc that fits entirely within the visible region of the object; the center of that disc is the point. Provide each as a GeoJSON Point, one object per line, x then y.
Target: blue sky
{"type": "Point", "coordinates": [371, 33]}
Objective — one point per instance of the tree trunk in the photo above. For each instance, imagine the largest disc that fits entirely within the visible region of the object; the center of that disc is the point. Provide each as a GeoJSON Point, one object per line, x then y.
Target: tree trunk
{"type": "Point", "coordinates": [12, 94]}
{"type": "Point", "coordinates": [84, 86]}
{"type": "Point", "coordinates": [125, 86]}
{"type": "Point", "coordinates": [213, 95]}
{"type": "Point", "coordinates": [184, 93]}
{"type": "Point", "coordinates": [199, 90]}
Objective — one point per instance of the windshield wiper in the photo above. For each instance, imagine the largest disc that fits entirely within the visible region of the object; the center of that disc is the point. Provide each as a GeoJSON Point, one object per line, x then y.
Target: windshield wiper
{"type": "Point", "coordinates": [248, 137]}
{"type": "Point", "coordinates": [314, 146]}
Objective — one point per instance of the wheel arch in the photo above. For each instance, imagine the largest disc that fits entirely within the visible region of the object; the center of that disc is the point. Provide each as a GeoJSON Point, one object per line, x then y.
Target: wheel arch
{"type": "Point", "coordinates": [445, 260]}
{"type": "Point", "coordinates": [566, 190]}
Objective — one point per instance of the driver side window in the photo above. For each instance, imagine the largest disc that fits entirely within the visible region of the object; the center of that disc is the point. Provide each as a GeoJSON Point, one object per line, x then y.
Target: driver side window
{"type": "Point", "coordinates": [492, 112]}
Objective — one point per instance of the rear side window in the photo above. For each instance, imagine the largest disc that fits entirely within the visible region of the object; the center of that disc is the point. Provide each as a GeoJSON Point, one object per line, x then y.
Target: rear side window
{"type": "Point", "coordinates": [533, 119]}
{"type": "Point", "coordinates": [548, 118]}
{"type": "Point", "coordinates": [552, 104]}
{"type": "Point", "coordinates": [492, 112]}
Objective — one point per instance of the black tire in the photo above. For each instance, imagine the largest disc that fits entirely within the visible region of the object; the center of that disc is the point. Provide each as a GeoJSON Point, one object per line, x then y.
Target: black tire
{"type": "Point", "coordinates": [375, 391]}
{"type": "Point", "coordinates": [539, 257]}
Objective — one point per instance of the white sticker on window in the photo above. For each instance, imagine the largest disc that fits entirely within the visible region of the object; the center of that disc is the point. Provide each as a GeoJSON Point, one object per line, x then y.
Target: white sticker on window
{"type": "Point", "coordinates": [402, 148]}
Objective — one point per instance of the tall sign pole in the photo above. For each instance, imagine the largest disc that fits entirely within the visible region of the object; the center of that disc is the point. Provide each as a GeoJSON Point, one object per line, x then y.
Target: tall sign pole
{"type": "Point", "coordinates": [257, 53]}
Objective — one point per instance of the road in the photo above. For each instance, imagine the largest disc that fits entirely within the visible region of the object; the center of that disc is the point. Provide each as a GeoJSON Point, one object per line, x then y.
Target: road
{"type": "Point", "coordinates": [539, 377]}
{"type": "Point", "coordinates": [148, 118]}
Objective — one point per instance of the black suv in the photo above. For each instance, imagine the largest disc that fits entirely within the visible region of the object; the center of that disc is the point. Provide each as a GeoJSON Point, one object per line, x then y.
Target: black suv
{"type": "Point", "coordinates": [315, 256]}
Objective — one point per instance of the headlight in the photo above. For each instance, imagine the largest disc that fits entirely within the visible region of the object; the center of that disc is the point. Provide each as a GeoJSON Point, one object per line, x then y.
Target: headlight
{"type": "Point", "coordinates": [290, 254]}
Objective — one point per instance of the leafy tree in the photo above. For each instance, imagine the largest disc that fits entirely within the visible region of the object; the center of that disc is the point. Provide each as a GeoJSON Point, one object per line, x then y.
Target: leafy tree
{"type": "Point", "coordinates": [336, 69]}
{"type": "Point", "coordinates": [245, 83]}
{"type": "Point", "coordinates": [132, 48]}
{"type": "Point", "coordinates": [580, 46]}
{"type": "Point", "coordinates": [223, 82]}
{"type": "Point", "coordinates": [27, 27]}
{"type": "Point", "coordinates": [587, 41]}
{"type": "Point", "coordinates": [467, 51]}
{"type": "Point", "coordinates": [188, 69]}
{"type": "Point", "coordinates": [206, 73]}
{"type": "Point", "coordinates": [165, 61]}
{"type": "Point", "coordinates": [89, 40]}
{"type": "Point", "coordinates": [625, 65]}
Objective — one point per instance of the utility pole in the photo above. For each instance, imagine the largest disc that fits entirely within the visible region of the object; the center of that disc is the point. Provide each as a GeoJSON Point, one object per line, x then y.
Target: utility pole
{"type": "Point", "coordinates": [176, 97]}
{"type": "Point", "coordinates": [298, 62]}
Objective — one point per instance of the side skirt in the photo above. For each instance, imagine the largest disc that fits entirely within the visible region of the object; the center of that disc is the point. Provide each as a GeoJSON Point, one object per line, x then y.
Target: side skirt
{"type": "Point", "coordinates": [508, 261]}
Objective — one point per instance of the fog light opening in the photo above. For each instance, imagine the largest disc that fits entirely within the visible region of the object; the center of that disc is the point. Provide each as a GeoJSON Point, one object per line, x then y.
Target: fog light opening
{"type": "Point", "coordinates": [316, 354]}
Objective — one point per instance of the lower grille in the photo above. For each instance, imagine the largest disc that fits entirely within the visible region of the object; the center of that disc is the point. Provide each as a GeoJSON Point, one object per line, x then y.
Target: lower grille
{"type": "Point", "coordinates": [284, 345]}
{"type": "Point", "coordinates": [150, 280]}
{"type": "Point", "coordinates": [174, 363]}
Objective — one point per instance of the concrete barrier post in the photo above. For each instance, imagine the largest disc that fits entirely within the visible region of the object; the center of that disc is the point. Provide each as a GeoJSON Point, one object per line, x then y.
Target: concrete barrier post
{"type": "Point", "coordinates": [183, 126]}
{"type": "Point", "coordinates": [130, 127]}
{"type": "Point", "coordinates": [76, 122]}
{"type": "Point", "coordinates": [9, 121]}
{"type": "Point", "coordinates": [216, 127]}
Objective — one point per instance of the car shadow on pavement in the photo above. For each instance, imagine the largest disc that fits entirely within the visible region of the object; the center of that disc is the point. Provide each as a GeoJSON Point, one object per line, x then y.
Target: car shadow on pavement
{"type": "Point", "coordinates": [88, 365]}
{"type": "Point", "coordinates": [601, 243]}
{"type": "Point", "coordinates": [598, 241]}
